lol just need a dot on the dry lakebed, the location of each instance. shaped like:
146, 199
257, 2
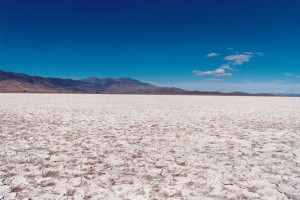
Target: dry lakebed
85, 146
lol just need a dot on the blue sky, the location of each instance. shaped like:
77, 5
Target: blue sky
251, 46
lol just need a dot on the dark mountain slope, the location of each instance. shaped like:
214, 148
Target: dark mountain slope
53, 84
18, 82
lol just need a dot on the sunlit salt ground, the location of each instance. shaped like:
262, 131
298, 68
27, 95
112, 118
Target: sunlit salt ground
56, 146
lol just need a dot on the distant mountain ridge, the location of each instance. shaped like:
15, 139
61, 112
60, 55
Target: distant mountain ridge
19, 82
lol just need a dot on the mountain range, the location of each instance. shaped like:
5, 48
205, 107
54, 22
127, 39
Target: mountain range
19, 82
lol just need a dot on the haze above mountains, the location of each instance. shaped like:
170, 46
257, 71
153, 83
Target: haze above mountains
18, 82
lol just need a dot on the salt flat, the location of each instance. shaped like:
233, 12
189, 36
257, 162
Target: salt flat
57, 146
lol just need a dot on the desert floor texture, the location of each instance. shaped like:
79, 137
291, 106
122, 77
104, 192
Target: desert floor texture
76, 146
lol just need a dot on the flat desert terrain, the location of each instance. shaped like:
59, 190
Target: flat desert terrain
76, 146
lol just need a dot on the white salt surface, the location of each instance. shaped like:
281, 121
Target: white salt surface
56, 146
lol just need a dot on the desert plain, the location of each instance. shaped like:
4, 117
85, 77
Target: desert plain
79, 146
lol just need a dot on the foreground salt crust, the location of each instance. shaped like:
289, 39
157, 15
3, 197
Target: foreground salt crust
148, 147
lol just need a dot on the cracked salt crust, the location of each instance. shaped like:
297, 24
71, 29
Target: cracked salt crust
56, 146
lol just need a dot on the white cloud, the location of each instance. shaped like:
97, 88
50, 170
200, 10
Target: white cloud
213, 54
259, 53
238, 59
292, 75
230, 49
218, 72
234, 60
227, 67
